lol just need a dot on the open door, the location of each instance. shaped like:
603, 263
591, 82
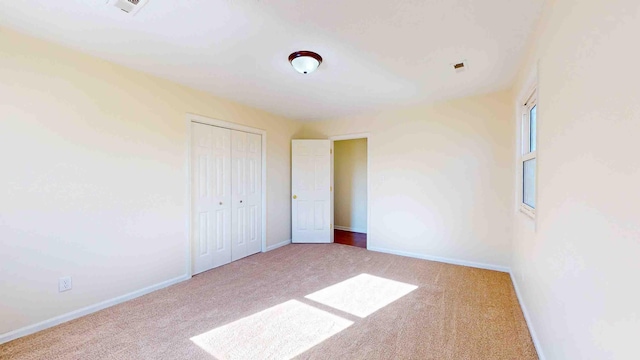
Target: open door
311, 191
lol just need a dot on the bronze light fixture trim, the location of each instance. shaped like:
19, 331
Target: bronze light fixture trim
305, 62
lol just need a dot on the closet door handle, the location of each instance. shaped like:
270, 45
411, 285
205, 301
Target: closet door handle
240, 201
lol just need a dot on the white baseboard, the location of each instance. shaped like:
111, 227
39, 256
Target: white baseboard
527, 318
278, 245
441, 259
30, 329
346, 228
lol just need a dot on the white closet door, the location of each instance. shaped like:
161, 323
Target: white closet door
254, 193
246, 180
239, 195
311, 191
211, 196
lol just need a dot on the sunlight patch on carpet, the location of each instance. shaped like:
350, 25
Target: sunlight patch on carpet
362, 295
280, 332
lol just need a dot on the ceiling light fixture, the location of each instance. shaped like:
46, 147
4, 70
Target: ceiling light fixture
305, 62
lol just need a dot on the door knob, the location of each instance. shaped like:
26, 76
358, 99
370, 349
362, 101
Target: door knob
240, 201
294, 197
220, 202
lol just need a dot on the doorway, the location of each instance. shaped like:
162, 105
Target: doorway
350, 195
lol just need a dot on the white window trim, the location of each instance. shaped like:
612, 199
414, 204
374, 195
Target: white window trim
524, 153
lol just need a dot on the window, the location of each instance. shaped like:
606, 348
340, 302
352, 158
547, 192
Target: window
528, 154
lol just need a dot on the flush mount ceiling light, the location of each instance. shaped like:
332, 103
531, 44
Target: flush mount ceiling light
305, 62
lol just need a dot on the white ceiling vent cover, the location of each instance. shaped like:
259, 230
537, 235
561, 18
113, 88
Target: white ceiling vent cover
129, 6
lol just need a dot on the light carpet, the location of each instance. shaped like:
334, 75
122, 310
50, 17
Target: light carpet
306, 302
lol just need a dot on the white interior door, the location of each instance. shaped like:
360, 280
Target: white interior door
246, 179
311, 192
211, 196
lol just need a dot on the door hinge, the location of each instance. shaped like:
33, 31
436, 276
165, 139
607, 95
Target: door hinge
330, 151
330, 188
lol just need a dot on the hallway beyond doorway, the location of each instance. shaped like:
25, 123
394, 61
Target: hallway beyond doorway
350, 238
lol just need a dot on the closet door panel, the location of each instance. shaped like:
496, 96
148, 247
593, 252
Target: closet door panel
239, 195
254, 193
211, 196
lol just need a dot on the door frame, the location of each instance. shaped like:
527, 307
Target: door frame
356, 136
191, 118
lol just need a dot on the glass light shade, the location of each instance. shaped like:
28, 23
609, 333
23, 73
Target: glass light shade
305, 64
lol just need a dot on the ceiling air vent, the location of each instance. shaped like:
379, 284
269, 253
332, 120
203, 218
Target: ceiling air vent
460, 66
128, 6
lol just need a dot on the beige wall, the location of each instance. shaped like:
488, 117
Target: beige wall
93, 178
577, 264
350, 184
441, 177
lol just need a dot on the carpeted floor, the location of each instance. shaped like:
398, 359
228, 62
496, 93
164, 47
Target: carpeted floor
309, 302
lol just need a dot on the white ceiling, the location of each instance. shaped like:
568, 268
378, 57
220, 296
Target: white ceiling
377, 53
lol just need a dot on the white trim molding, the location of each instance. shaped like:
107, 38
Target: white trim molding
233, 126
349, 137
278, 245
442, 259
527, 318
346, 228
28, 330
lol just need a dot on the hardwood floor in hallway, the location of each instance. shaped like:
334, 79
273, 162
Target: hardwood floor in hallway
350, 238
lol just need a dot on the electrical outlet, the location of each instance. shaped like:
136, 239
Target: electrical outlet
64, 284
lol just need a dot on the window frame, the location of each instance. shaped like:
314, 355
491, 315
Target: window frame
525, 153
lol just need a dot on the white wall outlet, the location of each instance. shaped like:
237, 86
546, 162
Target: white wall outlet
64, 284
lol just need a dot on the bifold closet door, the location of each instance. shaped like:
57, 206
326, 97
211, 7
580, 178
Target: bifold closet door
246, 188
211, 196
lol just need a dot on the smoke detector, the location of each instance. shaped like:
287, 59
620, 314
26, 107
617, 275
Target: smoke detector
131, 7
